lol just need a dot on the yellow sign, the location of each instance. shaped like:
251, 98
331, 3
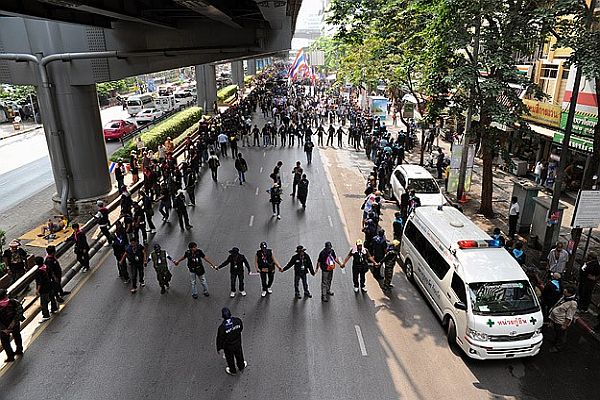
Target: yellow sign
543, 113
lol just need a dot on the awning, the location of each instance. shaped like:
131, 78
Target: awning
542, 130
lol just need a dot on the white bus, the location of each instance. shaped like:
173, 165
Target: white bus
477, 289
138, 102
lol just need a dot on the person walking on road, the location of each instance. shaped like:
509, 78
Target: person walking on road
513, 217
398, 226
223, 139
275, 199
237, 262
303, 190
229, 340
557, 259
326, 262
297, 172
159, 259
43, 286
392, 256
561, 317
360, 265
308, 149
81, 248
302, 266
101, 218
265, 263
11, 316
213, 164
15, 259
55, 271
181, 209
194, 257
439, 161
241, 167
189, 180
136, 255
119, 246
276, 174
589, 274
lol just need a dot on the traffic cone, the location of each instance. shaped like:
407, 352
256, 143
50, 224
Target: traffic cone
463, 199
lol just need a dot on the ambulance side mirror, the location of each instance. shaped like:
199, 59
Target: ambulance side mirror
459, 305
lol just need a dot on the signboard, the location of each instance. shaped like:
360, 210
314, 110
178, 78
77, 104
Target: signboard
575, 142
586, 112
587, 210
583, 123
408, 110
151, 87
543, 113
455, 159
379, 106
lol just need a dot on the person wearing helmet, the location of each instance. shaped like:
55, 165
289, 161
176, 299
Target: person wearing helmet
229, 340
236, 262
360, 264
326, 262
392, 256
159, 259
265, 263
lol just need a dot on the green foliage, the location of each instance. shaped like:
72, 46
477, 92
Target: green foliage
171, 127
226, 92
18, 93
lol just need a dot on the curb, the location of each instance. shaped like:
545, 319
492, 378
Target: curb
17, 133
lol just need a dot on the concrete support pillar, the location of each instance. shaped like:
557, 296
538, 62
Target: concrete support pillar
251, 66
206, 84
237, 73
81, 148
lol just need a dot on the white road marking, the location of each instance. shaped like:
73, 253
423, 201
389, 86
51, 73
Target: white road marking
322, 192
251, 220
264, 154
257, 190
261, 170
361, 341
330, 221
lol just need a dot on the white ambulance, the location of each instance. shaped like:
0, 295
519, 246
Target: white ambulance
476, 288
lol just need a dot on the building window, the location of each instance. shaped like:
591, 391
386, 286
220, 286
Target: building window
549, 71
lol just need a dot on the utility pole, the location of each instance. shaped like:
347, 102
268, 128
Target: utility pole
462, 175
558, 183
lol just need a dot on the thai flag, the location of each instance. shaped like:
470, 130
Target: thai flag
299, 66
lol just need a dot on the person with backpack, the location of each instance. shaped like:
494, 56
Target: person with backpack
229, 340
159, 259
236, 262
213, 165
326, 262
11, 316
275, 199
241, 167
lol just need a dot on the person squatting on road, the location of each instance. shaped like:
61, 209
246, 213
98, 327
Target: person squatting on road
360, 265
326, 262
159, 259
194, 257
265, 263
229, 340
302, 265
236, 262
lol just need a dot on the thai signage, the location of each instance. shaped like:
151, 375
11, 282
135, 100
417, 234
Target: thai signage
543, 113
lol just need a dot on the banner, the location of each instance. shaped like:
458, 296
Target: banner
543, 113
455, 159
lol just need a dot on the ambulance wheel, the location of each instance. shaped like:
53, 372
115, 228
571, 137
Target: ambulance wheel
408, 270
451, 332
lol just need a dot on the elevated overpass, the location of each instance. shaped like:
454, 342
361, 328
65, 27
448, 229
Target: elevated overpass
65, 47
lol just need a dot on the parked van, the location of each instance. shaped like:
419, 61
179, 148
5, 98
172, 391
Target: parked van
476, 288
183, 98
165, 103
137, 103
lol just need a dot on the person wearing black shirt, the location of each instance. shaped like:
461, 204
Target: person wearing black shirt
15, 258
360, 265
135, 253
55, 272
588, 277
81, 248
181, 209
303, 190
236, 262
119, 244
308, 149
190, 185
326, 262
43, 284
302, 265
241, 167
101, 218
194, 257
11, 316
297, 175
229, 339
265, 263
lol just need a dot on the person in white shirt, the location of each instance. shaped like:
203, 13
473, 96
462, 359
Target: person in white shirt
538, 172
513, 217
557, 259
222, 139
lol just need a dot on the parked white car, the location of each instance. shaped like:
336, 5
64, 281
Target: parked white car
148, 115
407, 177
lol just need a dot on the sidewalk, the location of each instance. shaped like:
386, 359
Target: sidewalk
7, 130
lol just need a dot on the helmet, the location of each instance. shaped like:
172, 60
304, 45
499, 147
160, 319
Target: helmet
395, 243
359, 242
263, 245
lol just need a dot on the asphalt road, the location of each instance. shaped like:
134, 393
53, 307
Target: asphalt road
107, 343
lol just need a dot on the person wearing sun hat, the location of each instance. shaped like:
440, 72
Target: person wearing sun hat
360, 264
302, 265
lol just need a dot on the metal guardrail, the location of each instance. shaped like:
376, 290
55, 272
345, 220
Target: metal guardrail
71, 270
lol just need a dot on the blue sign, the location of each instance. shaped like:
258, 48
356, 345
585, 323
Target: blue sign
151, 87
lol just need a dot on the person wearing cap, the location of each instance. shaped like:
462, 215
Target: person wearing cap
136, 254
194, 258
229, 340
11, 316
392, 256
181, 209
81, 247
265, 263
44, 288
101, 218
326, 262
302, 265
15, 258
275, 199
360, 264
236, 262
159, 259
